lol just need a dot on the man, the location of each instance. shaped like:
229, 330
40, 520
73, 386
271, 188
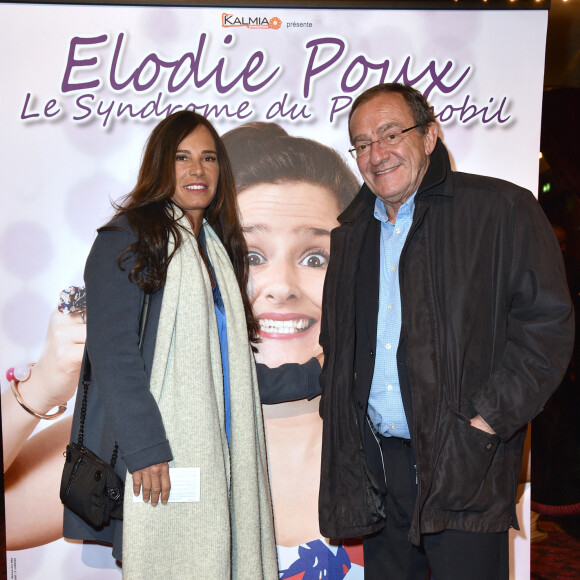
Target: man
446, 326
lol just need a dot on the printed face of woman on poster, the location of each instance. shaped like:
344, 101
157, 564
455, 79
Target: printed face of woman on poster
287, 228
290, 192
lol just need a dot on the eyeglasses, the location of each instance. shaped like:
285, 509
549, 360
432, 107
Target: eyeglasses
387, 140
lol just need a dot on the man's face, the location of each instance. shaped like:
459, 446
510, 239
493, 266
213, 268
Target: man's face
392, 172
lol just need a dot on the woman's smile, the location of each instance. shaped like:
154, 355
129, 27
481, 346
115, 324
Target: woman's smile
275, 325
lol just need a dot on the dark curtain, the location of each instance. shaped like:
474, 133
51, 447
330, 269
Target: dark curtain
560, 143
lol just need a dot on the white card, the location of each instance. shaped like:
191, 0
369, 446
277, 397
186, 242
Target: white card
185, 485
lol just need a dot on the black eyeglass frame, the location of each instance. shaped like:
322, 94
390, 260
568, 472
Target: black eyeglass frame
380, 141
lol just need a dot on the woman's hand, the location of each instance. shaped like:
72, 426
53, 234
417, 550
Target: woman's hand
155, 482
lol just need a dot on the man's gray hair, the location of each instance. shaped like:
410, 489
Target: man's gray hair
422, 112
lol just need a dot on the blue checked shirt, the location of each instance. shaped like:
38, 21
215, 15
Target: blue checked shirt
385, 403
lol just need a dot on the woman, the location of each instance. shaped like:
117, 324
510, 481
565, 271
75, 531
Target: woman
188, 399
290, 192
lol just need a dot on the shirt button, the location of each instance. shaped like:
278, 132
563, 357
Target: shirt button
398, 230
388, 346
390, 306
393, 268
393, 427
389, 387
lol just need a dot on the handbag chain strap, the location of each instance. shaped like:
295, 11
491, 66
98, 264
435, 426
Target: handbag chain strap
87, 378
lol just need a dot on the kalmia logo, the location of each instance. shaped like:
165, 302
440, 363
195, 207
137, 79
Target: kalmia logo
231, 20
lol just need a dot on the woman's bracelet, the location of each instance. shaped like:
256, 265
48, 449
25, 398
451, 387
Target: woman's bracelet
17, 376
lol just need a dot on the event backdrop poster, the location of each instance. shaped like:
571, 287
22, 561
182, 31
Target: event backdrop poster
83, 86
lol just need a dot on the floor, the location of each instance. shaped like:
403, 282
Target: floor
557, 557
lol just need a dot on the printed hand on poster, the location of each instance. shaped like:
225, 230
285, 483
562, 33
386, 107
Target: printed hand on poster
291, 191
33, 464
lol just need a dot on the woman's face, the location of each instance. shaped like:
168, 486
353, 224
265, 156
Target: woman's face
197, 172
287, 230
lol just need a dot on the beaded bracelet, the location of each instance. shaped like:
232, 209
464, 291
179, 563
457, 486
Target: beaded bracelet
20, 375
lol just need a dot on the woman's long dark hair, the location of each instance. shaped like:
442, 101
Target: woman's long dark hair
149, 210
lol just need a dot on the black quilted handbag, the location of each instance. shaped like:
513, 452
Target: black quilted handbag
89, 486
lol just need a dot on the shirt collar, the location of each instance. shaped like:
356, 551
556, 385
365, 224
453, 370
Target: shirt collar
405, 210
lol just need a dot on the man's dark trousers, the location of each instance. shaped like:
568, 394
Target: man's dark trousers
450, 555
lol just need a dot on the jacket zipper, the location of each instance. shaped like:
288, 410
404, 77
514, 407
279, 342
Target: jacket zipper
373, 431
414, 227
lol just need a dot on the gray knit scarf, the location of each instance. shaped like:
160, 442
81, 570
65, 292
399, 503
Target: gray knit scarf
229, 534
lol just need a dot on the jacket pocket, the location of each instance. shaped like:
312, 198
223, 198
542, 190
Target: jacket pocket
462, 466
